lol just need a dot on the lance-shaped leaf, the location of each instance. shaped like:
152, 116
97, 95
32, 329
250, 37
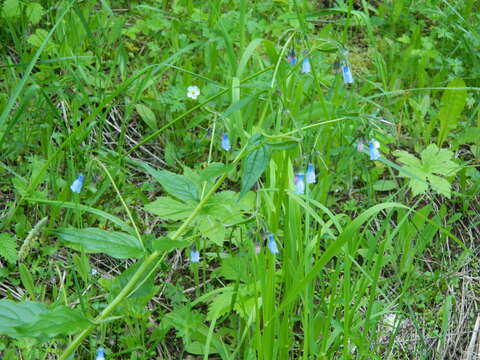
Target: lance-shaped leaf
92, 240
254, 164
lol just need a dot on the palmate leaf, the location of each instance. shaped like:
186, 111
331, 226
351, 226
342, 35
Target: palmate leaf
36, 320
431, 170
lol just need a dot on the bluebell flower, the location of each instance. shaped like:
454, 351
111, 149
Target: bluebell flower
226, 142
292, 60
300, 183
311, 178
373, 150
272, 245
258, 248
347, 74
76, 186
194, 254
100, 354
360, 145
306, 68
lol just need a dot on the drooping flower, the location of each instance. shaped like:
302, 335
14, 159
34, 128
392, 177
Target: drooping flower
292, 60
311, 177
347, 74
226, 142
93, 271
194, 254
258, 248
272, 245
193, 92
76, 186
360, 145
336, 66
373, 146
300, 183
100, 354
306, 68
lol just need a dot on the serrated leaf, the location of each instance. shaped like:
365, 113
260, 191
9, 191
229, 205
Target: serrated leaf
92, 240
212, 229
33, 319
8, 248
176, 185
34, 12
147, 115
37, 39
451, 107
434, 164
253, 166
220, 304
11, 8
169, 209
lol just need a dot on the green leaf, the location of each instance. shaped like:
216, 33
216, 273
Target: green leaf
254, 165
8, 248
58, 321
169, 209
176, 185
11, 8
214, 170
384, 185
33, 319
37, 39
434, 164
166, 244
147, 115
13, 315
92, 240
27, 280
451, 107
34, 12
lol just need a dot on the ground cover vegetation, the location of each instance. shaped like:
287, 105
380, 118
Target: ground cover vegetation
258, 179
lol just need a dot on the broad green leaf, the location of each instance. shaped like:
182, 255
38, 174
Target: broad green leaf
212, 229
34, 12
92, 240
169, 209
32, 319
15, 314
11, 8
254, 165
147, 115
451, 107
8, 248
166, 244
214, 170
176, 185
58, 321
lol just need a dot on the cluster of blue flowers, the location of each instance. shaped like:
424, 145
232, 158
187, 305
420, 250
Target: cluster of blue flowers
300, 179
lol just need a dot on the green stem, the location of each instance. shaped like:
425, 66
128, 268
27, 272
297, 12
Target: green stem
139, 273
118, 299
